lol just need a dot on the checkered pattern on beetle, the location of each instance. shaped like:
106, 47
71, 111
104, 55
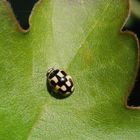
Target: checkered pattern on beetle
60, 82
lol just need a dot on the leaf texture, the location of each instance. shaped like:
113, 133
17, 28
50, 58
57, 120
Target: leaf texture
83, 37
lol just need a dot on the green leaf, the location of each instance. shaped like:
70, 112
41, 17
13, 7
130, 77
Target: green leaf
134, 17
135, 6
83, 37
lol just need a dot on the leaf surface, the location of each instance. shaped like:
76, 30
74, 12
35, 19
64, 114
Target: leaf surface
83, 37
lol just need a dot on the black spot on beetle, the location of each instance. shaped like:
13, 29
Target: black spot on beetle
52, 74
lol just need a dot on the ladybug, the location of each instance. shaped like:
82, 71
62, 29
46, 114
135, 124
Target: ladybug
59, 83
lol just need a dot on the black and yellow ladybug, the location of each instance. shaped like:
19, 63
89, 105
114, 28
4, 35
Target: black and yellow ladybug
60, 84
